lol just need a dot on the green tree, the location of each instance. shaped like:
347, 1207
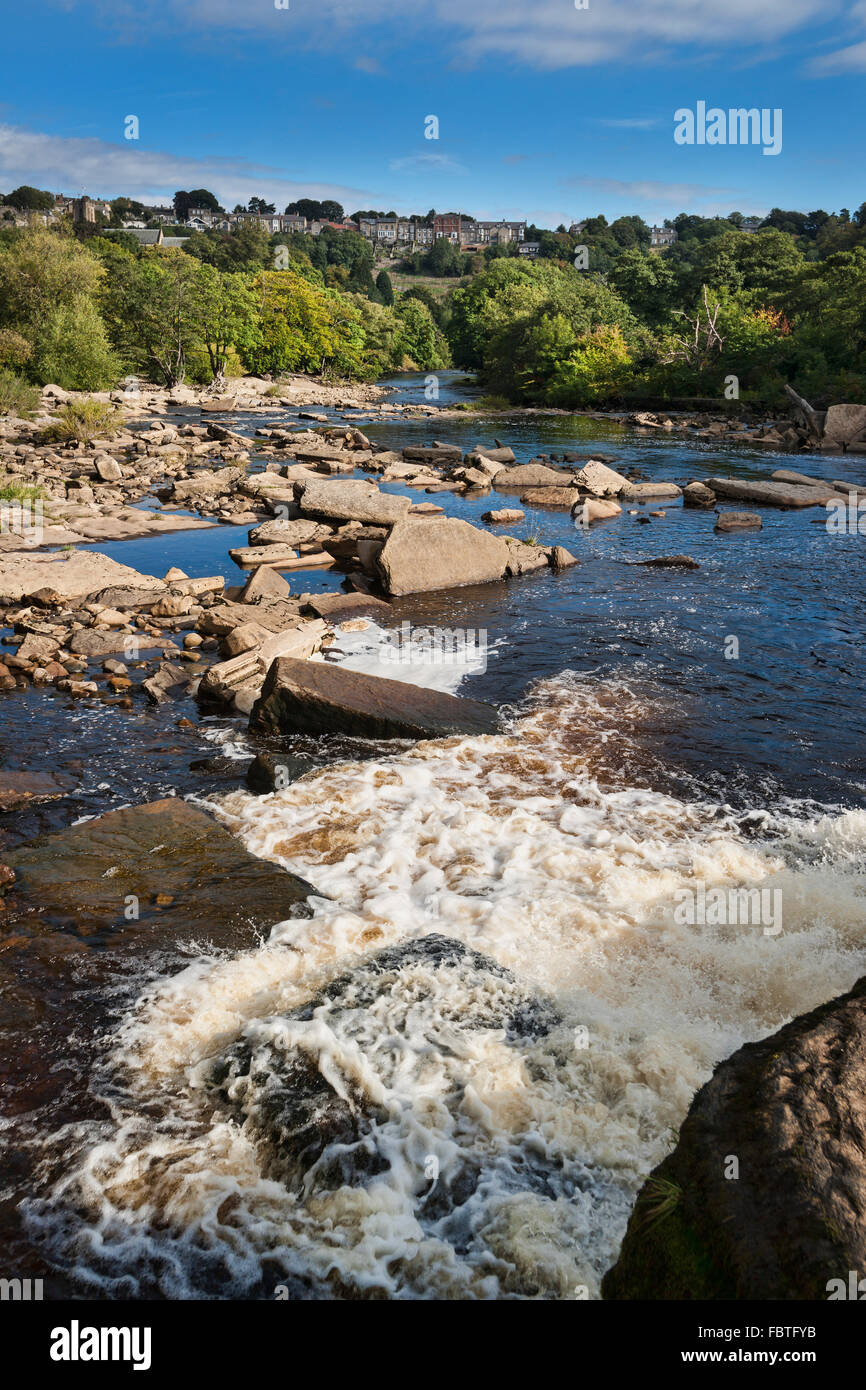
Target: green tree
30, 199
385, 288
153, 309
49, 284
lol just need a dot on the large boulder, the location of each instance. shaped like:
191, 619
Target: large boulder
698, 495
586, 510
764, 1196
352, 500
600, 481
439, 554
23, 573
317, 697
845, 424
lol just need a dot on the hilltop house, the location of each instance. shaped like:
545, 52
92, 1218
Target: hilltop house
663, 236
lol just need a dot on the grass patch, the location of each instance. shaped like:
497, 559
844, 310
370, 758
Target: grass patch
20, 492
659, 1200
17, 396
80, 422
485, 403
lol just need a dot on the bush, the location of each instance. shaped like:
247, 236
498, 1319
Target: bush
17, 396
83, 421
73, 349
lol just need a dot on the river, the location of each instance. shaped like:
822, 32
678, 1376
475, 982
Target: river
645, 755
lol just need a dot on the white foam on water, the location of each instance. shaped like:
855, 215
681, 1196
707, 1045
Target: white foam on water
511, 845
432, 657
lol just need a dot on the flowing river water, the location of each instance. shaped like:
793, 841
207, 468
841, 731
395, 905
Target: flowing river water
503, 1107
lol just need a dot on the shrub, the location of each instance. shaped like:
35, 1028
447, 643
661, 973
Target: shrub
15, 351
17, 396
83, 421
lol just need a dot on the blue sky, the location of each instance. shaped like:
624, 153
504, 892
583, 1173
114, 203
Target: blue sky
545, 111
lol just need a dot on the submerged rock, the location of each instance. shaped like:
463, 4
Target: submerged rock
764, 1196
328, 1089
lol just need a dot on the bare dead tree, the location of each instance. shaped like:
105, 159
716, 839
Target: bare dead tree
703, 340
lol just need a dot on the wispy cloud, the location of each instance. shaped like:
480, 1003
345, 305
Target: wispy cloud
843, 61
369, 65
636, 123
426, 163
652, 191
106, 170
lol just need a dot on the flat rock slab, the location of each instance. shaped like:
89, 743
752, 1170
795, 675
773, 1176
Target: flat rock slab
84, 572
530, 475
352, 500
190, 876
774, 494
315, 697
636, 492
444, 553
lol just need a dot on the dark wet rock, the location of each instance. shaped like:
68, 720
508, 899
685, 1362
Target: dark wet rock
791, 1110
668, 562
169, 679
20, 789
314, 697
312, 1133
269, 772
79, 880
698, 495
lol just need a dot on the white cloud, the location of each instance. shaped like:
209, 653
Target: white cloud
105, 170
545, 33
